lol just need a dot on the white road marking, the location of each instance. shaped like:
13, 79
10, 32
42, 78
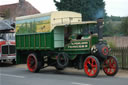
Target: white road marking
12, 75
75, 83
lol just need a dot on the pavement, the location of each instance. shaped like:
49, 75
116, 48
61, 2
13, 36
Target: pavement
121, 73
19, 75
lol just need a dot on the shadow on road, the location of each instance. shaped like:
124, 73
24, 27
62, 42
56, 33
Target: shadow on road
6, 64
76, 73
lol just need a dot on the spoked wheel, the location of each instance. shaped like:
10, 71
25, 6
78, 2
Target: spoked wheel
110, 66
91, 66
33, 64
62, 60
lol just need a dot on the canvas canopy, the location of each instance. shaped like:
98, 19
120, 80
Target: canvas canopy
47, 22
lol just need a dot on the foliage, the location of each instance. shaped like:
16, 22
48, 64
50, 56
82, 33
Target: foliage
111, 44
124, 26
112, 28
115, 18
90, 9
108, 29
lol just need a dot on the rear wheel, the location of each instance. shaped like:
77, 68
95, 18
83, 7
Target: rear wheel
62, 60
33, 64
110, 66
91, 66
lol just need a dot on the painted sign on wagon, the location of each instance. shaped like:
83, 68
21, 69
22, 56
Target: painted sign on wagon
77, 44
33, 25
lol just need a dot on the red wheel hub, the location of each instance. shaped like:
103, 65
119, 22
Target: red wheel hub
109, 66
90, 66
105, 50
31, 63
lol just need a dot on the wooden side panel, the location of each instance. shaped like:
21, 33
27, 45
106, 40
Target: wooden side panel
40, 41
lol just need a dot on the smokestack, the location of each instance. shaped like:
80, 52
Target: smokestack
100, 26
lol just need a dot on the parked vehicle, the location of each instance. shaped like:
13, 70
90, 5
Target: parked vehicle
61, 39
7, 42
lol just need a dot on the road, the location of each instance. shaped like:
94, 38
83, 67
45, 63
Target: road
18, 75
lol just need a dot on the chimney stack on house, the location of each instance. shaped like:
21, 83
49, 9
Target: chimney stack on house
21, 1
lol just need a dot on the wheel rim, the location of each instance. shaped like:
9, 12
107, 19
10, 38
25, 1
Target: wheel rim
105, 50
31, 63
109, 66
90, 66
62, 60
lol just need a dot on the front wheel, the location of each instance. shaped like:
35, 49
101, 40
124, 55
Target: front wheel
110, 66
91, 66
33, 63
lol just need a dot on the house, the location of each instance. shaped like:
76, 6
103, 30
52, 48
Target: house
11, 11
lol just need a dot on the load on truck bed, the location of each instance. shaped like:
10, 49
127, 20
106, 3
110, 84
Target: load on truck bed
36, 31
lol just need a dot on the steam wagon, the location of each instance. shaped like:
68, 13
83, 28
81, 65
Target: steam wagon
61, 39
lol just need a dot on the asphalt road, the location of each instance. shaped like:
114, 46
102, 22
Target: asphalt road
12, 75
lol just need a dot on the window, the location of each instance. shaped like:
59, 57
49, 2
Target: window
7, 36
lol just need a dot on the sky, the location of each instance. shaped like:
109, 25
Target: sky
113, 7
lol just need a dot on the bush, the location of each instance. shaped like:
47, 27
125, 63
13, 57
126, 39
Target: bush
124, 26
111, 44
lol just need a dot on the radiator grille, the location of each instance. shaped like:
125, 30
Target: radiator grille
8, 49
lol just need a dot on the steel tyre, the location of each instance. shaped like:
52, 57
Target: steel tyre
33, 64
91, 66
110, 66
62, 60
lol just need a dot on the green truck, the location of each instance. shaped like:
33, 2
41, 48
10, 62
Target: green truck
61, 39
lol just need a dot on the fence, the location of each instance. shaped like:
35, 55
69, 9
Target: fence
122, 56
121, 41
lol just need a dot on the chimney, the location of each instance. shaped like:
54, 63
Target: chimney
21, 2
100, 26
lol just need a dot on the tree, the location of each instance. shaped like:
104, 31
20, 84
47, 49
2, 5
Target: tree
124, 26
90, 9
